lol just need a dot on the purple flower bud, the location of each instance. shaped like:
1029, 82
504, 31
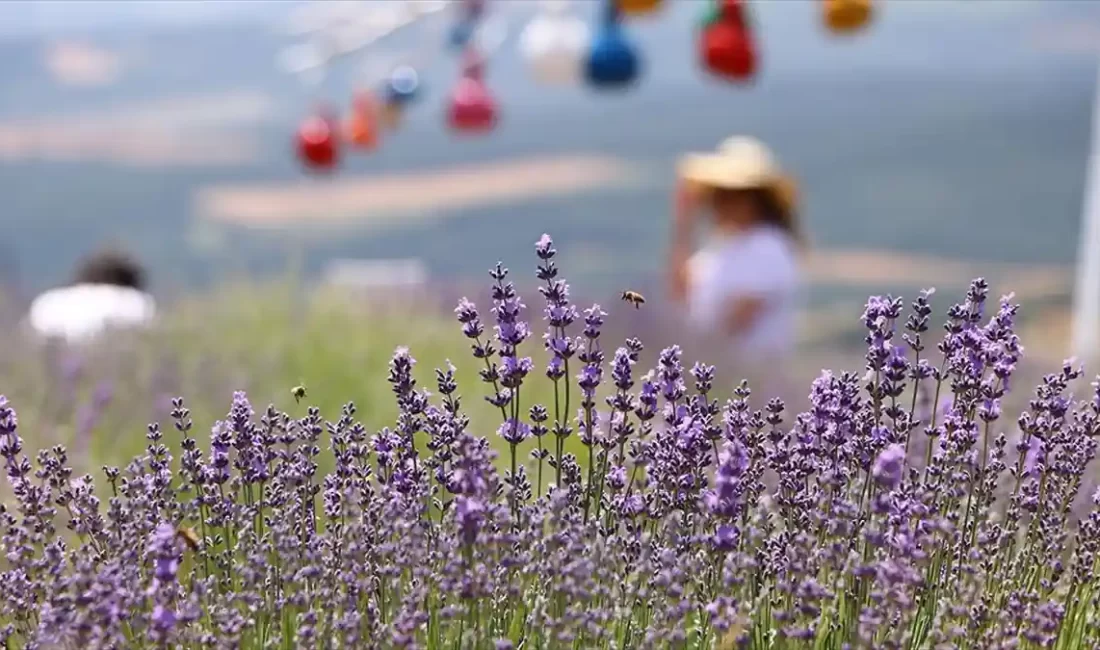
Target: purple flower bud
593, 321
466, 311
555, 368
589, 379
703, 376
544, 247
889, 466
621, 369
72, 367
104, 392
164, 549
513, 370
469, 514
616, 477
514, 431
725, 538
1035, 459
220, 442
633, 505
560, 315
556, 292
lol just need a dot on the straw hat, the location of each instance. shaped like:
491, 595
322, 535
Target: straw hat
742, 163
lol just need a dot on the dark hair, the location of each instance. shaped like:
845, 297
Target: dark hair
111, 267
768, 208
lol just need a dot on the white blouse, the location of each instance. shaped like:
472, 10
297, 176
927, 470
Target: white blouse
760, 263
80, 312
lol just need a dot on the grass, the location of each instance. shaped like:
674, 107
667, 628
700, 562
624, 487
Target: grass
264, 339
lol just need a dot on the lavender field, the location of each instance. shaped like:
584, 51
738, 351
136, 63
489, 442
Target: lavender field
556, 487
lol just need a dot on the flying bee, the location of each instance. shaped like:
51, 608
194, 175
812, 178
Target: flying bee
634, 298
299, 393
189, 537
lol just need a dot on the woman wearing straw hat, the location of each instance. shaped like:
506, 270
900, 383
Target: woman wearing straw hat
740, 289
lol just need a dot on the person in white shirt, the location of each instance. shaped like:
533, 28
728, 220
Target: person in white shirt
740, 290
108, 292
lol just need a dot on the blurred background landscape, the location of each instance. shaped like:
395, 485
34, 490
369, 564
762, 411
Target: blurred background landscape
953, 129
948, 140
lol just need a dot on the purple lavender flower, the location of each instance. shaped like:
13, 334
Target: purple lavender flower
11, 445
725, 539
469, 513
889, 466
589, 380
513, 370
621, 369
593, 322
724, 499
511, 331
472, 328
164, 619
514, 431
162, 549
544, 248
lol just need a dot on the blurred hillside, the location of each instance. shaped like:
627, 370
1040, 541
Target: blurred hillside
952, 129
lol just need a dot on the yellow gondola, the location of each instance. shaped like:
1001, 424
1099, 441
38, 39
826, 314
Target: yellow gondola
847, 16
639, 7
